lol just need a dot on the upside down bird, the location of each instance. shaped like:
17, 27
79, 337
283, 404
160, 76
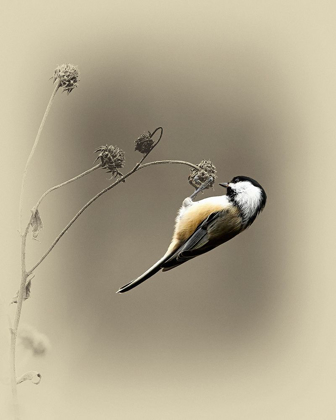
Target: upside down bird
205, 224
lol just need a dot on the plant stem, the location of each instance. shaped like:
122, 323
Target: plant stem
93, 199
65, 183
180, 162
58, 83
24, 274
14, 329
24, 278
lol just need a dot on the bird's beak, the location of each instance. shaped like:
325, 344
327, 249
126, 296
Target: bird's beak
224, 184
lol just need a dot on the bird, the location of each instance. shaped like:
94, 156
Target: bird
201, 226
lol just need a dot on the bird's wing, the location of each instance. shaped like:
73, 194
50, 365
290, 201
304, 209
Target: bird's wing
216, 229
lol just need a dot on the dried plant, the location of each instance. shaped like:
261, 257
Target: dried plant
111, 158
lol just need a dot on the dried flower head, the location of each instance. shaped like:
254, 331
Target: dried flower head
33, 340
206, 170
112, 158
68, 75
144, 143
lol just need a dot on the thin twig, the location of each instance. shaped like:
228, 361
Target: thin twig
121, 179
58, 84
180, 162
65, 183
24, 275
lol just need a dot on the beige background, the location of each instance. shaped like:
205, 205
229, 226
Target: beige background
245, 332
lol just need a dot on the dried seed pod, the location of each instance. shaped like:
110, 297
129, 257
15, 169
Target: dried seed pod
144, 143
206, 170
68, 75
112, 158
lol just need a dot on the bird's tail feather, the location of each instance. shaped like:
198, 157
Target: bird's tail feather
145, 276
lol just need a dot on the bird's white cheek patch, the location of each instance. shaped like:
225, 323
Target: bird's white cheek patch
248, 200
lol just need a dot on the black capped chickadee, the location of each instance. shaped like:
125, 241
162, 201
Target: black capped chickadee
205, 224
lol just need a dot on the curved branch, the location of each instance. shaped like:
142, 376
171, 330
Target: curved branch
93, 199
65, 183
180, 162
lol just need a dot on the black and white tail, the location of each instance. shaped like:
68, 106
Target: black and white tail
145, 276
